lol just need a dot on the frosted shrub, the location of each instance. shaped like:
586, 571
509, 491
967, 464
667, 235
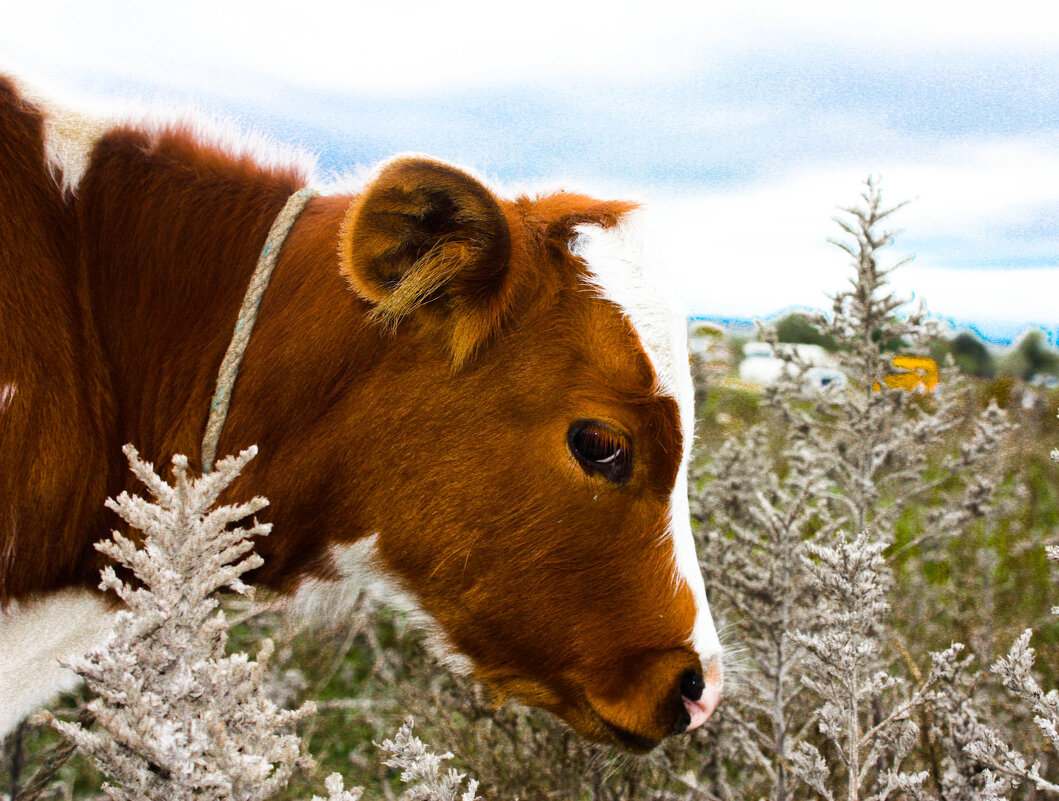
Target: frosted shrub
794, 538
421, 769
176, 718
336, 790
991, 749
757, 528
1005, 765
846, 671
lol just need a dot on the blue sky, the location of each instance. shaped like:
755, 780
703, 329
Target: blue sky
742, 128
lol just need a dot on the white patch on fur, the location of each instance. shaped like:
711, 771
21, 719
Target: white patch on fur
34, 636
618, 265
360, 570
73, 127
69, 137
7, 394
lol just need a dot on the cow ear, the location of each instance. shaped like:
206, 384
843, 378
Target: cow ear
564, 211
606, 214
425, 233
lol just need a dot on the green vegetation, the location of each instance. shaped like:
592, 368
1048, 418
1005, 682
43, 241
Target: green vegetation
797, 328
971, 356
1031, 356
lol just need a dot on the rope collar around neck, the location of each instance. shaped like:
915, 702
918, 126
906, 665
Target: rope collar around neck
222, 397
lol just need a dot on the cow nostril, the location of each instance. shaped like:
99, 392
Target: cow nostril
692, 685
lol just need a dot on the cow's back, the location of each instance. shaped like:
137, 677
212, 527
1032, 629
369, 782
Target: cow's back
53, 412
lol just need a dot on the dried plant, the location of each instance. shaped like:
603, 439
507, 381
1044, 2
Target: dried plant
175, 716
1005, 765
795, 538
421, 769
336, 790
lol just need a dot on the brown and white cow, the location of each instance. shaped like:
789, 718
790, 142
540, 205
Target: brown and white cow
478, 398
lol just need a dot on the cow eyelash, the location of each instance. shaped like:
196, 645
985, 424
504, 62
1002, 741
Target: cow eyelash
600, 449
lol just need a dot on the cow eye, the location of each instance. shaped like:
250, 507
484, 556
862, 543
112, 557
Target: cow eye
601, 449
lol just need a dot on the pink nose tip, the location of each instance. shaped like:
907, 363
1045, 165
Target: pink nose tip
701, 710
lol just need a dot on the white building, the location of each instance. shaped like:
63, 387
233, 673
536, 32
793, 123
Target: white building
759, 366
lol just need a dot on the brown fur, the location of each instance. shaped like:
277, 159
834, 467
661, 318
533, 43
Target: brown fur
429, 405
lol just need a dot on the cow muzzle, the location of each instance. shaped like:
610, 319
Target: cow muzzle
661, 695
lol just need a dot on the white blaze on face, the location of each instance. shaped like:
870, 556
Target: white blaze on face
617, 264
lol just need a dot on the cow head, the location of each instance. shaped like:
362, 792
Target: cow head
536, 425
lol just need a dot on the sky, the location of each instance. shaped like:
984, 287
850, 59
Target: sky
740, 126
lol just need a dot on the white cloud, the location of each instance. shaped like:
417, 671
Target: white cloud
382, 47
754, 251
1013, 296
902, 25
424, 44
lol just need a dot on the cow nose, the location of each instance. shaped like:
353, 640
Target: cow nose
700, 700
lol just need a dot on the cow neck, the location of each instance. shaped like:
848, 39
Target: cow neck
244, 325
